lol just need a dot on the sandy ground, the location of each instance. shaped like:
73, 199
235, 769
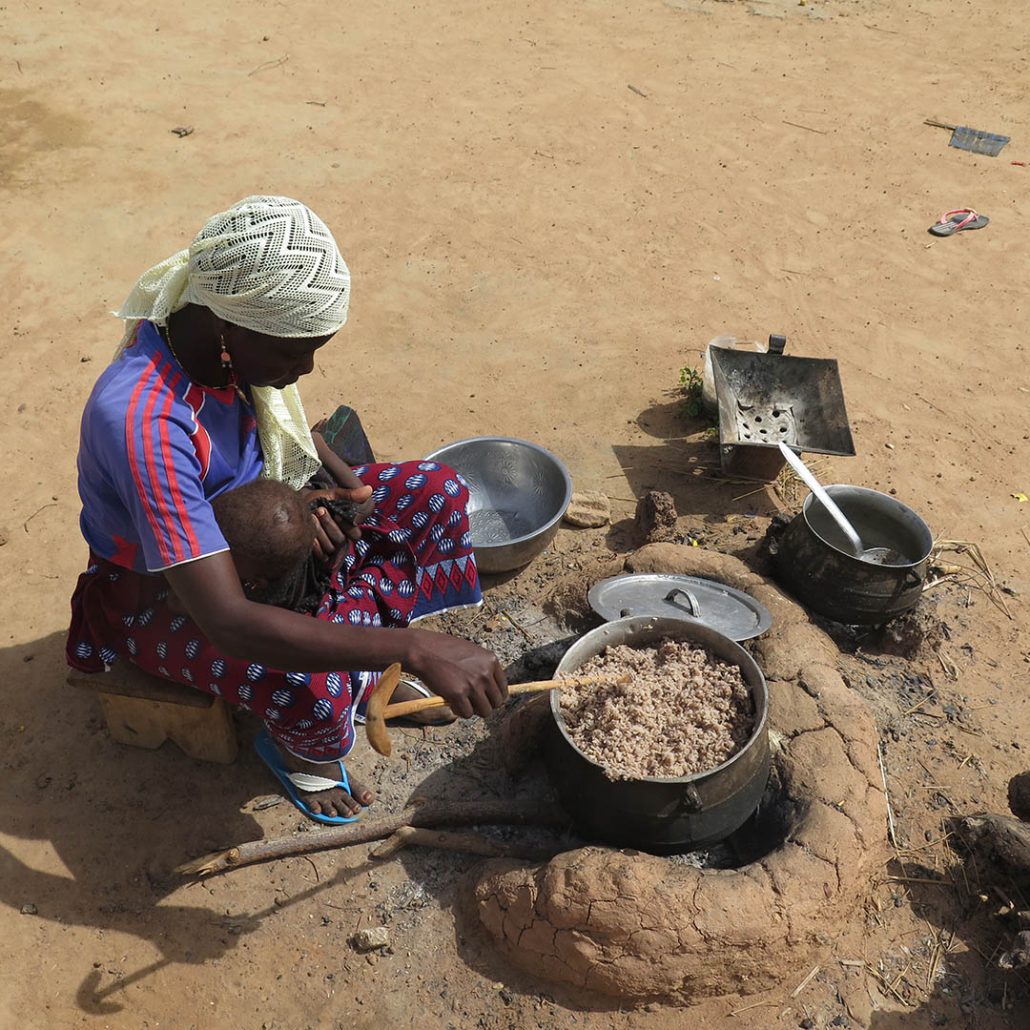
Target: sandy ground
548, 209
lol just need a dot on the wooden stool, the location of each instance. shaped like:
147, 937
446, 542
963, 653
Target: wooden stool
145, 711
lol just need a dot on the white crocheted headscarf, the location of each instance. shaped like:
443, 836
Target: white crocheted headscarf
271, 265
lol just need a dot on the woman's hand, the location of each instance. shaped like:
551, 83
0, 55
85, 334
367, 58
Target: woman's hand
351, 489
467, 676
334, 528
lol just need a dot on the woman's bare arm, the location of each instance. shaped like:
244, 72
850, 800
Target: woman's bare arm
469, 677
327, 542
337, 467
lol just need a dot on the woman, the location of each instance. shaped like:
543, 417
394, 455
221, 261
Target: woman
201, 398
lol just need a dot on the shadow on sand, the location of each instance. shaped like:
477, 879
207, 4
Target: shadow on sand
90, 830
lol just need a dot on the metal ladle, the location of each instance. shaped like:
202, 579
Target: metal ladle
873, 555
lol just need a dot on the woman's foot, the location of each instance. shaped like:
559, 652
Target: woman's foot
335, 803
436, 716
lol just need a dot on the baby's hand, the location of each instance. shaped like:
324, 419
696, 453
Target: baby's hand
337, 513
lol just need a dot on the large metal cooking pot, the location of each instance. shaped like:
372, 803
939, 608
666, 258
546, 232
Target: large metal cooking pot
663, 815
814, 561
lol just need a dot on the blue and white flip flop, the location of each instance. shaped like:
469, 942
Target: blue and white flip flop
295, 783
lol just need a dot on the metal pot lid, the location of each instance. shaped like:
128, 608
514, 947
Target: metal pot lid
728, 611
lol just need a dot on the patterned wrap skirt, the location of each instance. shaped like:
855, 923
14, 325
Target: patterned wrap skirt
414, 559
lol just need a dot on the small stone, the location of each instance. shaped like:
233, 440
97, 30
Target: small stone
259, 804
1018, 955
29, 909
807, 1023
1019, 796
371, 938
589, 509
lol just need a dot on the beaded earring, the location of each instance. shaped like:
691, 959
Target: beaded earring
230, 375
225, 358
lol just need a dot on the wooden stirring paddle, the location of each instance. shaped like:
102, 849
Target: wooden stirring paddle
379, 707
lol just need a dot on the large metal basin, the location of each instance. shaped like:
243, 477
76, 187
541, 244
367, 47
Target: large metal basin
663, 815
518, 494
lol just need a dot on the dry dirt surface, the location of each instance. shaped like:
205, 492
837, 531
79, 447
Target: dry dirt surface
548, 210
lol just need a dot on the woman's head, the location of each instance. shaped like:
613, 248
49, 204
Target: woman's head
262, 360
268, 265
268, 528
269, 287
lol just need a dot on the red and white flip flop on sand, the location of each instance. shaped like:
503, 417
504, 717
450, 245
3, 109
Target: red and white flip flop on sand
955, 221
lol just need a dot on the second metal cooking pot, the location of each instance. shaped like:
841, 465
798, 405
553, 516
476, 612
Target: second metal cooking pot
663, 815
814, 561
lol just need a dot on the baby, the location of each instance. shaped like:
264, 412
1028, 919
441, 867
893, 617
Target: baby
270, 533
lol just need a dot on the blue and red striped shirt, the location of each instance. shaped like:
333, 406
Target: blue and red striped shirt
154, 449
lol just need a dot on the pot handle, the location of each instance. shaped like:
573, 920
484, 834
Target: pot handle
912, 579
692, 607
691, 801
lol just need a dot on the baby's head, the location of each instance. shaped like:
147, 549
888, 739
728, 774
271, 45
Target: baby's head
268, 528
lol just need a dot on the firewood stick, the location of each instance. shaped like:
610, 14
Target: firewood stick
394, 843
468, 843
431, 813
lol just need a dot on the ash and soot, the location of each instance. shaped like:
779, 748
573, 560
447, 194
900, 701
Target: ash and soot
682, 711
